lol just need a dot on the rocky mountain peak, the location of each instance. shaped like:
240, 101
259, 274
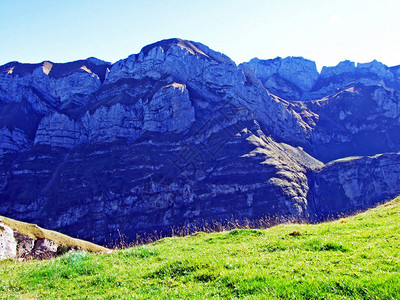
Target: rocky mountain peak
57, 70
168, 43
346, 66
16, 68
296, 78
300, 71
296, 75
362, 69
95, 61
183, 61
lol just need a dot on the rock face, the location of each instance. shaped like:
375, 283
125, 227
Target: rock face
179, 133
296, 78
288, 78
8, 244
347, 184
20, 246
23, 241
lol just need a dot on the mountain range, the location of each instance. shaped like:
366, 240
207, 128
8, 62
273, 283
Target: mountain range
178, 133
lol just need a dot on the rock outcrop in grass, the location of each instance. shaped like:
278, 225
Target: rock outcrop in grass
20, 240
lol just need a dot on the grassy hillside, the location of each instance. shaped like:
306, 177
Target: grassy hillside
36, 232
353, 258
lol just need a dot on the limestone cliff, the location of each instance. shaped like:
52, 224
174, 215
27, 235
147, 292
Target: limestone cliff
353, 183
179, 133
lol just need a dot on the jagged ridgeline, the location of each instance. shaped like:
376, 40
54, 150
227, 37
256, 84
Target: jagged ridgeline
179, 133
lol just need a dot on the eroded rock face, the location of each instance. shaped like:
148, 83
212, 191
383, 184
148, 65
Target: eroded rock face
295, 78
13, 140
8, 244
288, 78
19, 246
24, 246
354, 183
359, 120
56, 82
179, 133
32, 93
170, 110
44, 248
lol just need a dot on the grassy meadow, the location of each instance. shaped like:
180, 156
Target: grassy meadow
352, 258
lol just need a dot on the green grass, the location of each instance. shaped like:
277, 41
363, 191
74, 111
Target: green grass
353, 258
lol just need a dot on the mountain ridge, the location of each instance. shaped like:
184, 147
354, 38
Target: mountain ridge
179, 132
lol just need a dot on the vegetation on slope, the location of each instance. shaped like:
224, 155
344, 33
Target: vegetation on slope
357, 257
36, 232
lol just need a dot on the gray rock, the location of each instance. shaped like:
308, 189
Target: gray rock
345, 66
8, 244
295, 78
170, 110
288, 78
58, 130
353, 183
14, 140
25, 245
44, 248
375, 67
18, 246
301, 72
54, 82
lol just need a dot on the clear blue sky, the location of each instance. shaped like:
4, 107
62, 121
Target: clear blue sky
324, 31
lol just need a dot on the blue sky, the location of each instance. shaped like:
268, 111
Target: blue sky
324, 31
